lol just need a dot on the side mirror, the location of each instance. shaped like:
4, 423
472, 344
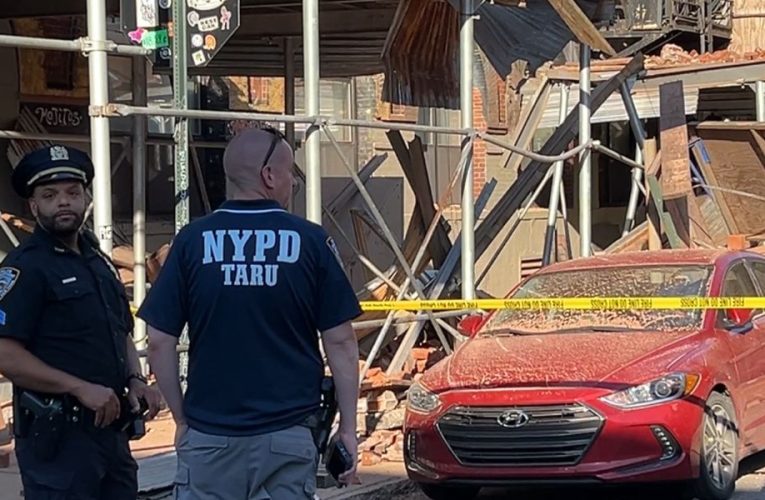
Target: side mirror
468, 326
738, 320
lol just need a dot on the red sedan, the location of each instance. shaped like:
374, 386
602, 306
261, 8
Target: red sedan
600, 396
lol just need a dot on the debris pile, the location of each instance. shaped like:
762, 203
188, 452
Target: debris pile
673, 55
382, 405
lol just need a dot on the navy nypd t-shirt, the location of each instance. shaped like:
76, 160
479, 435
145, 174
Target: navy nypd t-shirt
256, 285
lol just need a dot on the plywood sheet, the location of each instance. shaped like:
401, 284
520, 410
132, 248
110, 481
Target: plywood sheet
736, 162
675, 163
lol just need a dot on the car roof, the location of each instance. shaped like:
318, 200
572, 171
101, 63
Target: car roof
652, 257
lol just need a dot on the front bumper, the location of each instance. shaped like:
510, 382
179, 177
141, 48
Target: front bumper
586, 441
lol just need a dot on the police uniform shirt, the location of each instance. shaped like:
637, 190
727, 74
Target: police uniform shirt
68, 309
255, 284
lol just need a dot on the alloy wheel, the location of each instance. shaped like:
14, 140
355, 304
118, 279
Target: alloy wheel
720, 446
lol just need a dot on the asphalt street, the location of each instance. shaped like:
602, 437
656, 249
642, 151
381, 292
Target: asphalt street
751, 487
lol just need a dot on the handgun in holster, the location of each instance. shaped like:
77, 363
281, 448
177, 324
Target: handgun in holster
41, 419
326, 415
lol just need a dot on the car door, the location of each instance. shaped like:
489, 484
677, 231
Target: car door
747, 352
757, 268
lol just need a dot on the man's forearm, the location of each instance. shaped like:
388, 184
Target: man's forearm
164, 363
26, 370
343, 357
133, 360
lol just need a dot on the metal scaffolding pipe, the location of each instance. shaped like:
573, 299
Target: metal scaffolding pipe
637, 173
126, 110
466, 115
139, 198
585, 172
617, 156
311, 91
180, 100
78, 45
552, 210
98, 76
760, 94
536, 156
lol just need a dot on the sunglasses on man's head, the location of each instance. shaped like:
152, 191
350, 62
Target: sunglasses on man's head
277, 137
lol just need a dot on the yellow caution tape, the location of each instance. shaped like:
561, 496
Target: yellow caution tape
579, 303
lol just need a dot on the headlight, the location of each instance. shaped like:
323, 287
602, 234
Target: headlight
668, 388
422, 400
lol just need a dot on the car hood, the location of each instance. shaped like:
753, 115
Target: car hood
571, 359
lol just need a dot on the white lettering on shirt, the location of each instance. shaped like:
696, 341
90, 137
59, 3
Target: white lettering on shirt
267, 249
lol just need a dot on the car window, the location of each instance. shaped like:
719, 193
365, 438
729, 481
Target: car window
738, 283
661, 280
759, 272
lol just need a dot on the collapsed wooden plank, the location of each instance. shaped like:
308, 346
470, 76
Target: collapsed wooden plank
634, 241
535, 171
581, 26
412, 160
675, 162
735, 170
350, 190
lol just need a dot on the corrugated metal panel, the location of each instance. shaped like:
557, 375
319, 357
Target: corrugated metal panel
646, 99
422, 66
645, 93
534, 33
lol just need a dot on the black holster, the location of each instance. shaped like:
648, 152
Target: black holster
41, 420
321, 422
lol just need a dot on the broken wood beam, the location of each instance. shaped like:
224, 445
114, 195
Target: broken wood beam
412, 160
581, 26
511, 201
349, 191
675, 161
652, 162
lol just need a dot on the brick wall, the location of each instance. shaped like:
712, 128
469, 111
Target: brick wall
479, 149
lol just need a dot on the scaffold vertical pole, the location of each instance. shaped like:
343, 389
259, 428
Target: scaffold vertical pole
311, 87
466, 107
98, 76
181, 101
760, 94
552, 211
139, 197
585, 163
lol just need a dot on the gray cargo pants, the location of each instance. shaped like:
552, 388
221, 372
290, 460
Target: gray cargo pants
276, 466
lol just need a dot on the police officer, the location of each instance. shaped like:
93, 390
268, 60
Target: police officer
255, 285
65, 343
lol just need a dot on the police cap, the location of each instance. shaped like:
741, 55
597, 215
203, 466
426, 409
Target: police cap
51, 164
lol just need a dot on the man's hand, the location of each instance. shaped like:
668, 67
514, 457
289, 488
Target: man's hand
352, 445
101, 400
137, 390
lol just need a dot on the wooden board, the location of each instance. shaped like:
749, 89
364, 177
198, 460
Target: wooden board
653, 161
635, 241
736, 164
701, 155
675, 162
581, 26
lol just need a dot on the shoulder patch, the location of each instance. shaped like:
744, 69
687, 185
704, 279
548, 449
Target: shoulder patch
333, 248
8, 278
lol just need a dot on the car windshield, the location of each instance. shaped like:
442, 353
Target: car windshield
643, 281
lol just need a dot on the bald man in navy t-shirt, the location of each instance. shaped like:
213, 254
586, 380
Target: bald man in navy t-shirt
256, 286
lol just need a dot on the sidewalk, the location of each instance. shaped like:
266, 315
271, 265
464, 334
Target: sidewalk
156, 462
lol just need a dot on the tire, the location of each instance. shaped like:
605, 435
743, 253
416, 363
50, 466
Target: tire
717, 476
439, 492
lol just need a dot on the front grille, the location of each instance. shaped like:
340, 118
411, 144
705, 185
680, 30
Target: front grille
552, 436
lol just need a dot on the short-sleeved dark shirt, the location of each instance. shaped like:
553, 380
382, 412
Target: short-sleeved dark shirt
68, 309
255, 285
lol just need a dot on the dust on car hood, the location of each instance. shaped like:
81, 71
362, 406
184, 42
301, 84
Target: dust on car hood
556, 359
